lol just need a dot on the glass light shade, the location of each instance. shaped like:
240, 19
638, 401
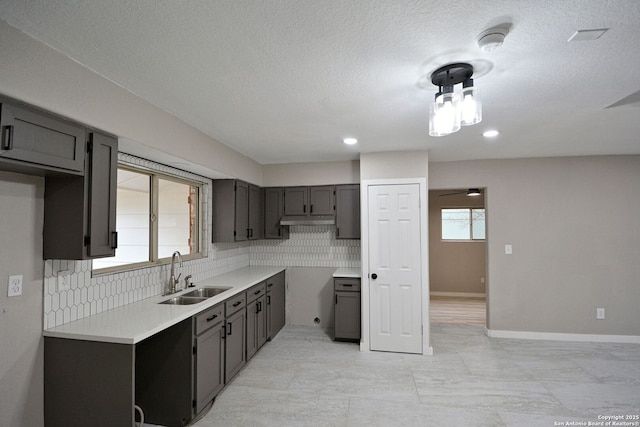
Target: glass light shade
444, 118
470, 107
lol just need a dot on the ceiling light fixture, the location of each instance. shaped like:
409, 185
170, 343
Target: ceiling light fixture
472, 192
450, 110
492, 133
350, 141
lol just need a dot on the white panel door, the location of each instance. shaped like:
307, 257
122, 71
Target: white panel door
395, 298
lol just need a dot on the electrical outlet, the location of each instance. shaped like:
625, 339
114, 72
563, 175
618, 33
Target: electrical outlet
508, 249
599, 313
64, 281
15, 285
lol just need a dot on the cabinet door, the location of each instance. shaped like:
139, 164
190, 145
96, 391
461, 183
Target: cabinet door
261, 322
34, 137
102, 172
348, 211
252, 333
273, 211
242, 211
209, 374
275, 304
255, 213
347, 315
295, 200
321, 200
235, 355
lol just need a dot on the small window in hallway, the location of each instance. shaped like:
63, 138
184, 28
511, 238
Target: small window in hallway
463, 224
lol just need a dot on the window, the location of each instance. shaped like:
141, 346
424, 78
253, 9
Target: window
156, 215
463, 224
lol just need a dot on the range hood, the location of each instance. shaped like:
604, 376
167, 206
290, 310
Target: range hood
308, 220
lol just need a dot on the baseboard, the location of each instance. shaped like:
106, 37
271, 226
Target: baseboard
553, 336
457, 294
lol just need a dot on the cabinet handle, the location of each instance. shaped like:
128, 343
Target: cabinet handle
337, 231
269, 285
114, 240
237, 303
229, 329
224, 331
336, 299
268, 299
209, 319
257, 292
257, 307
311, 210
347, 285
251, 232
7, 137
304, 208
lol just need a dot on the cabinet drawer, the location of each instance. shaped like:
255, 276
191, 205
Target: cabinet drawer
234, 304
256, 292
345, 284
209, 318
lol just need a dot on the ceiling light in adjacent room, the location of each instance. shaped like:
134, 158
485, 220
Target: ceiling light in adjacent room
472, 192
491, 133
350, 141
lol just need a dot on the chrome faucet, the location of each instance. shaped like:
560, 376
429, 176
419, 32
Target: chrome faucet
173, 280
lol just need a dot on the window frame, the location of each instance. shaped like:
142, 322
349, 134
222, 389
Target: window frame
470, 239
154, 261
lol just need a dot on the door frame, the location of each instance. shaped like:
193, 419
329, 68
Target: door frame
365, 344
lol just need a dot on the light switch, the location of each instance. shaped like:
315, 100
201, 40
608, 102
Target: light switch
508, 250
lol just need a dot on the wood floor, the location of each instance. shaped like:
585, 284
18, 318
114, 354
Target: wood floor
458, 310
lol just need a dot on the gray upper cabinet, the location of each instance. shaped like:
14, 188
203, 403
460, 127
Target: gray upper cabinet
317, 200
273, 212
39, 143
80, 211
237, 211
255, 213
348, 211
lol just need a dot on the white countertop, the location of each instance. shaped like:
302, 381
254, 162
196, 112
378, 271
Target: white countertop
134, 322
347, 272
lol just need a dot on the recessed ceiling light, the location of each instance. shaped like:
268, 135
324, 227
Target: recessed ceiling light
491, 133
350, 141
585, 35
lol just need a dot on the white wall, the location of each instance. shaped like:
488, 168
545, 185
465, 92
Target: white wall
318, 173
21, 344
573, 225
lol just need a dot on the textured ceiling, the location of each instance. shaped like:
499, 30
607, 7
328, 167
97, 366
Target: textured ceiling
285, 80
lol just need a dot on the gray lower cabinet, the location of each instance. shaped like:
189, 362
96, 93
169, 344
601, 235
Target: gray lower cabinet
235, 341
37, 142
256, 318
347, 309
208, 356
80, 211
171, 375
348, 211
275, 304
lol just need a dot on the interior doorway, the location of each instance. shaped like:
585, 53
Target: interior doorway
458, 256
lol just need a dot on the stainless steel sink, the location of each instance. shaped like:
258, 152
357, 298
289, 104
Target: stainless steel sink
183, 300
205, 292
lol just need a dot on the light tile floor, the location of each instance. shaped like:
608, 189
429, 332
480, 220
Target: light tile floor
302, 378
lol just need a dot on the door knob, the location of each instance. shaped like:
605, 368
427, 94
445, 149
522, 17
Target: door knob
374, 276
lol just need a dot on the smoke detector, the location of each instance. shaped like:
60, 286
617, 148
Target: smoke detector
492, 38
